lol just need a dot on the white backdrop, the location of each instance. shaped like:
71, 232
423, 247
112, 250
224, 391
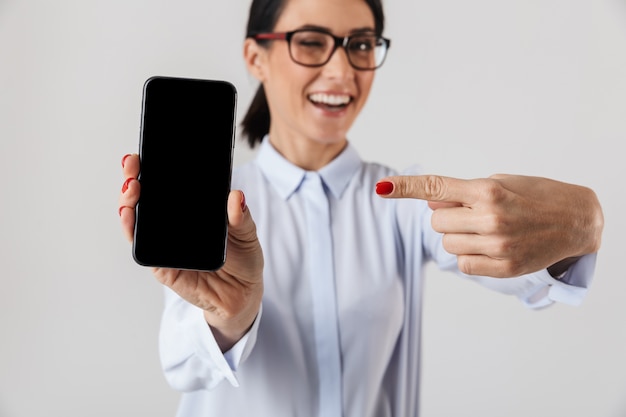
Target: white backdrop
470, 88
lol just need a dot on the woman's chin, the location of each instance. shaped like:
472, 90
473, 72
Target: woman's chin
331, 137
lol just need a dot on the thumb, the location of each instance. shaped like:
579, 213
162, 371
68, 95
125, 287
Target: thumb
242, 235
244, 256
240, 224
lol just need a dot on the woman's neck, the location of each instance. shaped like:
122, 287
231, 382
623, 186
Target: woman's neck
308, 154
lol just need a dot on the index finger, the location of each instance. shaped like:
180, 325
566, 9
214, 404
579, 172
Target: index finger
428, 187
130, 165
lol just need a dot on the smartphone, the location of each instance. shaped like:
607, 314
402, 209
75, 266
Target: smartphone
186, 150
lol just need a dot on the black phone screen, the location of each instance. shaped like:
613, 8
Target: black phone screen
186, 146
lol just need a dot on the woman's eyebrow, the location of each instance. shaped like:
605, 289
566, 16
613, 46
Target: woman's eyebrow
365, 29
314, 27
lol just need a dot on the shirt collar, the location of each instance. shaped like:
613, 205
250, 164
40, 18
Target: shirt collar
286, 178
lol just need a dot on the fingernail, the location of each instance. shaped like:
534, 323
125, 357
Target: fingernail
384, 188
124, 159
125, 185
243, 202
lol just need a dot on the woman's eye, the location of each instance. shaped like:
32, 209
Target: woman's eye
310, 40
362, 45
311, 43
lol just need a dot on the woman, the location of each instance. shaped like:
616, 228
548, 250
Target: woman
324, 320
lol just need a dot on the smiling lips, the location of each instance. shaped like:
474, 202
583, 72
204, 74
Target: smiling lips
330, 101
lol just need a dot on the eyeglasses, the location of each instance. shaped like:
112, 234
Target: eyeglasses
314, 48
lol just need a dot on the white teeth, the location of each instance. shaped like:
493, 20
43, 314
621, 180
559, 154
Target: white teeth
332, 100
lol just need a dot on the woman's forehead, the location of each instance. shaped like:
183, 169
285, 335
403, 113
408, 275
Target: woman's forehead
336, 15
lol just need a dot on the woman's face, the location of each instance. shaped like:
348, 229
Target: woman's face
303, 101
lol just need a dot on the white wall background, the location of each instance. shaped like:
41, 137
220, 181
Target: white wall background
470, 88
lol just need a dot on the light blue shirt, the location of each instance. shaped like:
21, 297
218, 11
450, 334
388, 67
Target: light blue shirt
377, 252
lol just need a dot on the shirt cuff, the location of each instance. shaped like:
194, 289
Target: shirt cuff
540, 289
240, 351
208, 350
570, 289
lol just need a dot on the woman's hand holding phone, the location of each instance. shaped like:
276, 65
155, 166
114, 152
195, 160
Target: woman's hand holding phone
230, 296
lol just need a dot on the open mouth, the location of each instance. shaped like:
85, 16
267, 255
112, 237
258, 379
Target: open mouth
330, 102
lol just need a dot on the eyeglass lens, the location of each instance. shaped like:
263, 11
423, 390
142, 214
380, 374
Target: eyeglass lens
315, 48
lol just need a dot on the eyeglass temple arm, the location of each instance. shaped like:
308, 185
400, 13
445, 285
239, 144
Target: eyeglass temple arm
270, 36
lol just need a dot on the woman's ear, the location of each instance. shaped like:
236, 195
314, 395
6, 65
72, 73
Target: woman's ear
254, 56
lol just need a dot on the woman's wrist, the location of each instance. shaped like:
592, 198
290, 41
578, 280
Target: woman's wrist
228, 332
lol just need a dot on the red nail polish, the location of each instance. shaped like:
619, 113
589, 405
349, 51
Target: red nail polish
125, 185
384, 188
124, 159
243, 202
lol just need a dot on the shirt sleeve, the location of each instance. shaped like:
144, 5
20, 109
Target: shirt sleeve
190, 356
540, 289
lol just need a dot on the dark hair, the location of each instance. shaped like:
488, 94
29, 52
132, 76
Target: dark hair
262, 18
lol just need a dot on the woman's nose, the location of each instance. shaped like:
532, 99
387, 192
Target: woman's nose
339, 65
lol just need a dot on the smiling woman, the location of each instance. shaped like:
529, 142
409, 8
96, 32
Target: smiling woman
317, 309
468, 88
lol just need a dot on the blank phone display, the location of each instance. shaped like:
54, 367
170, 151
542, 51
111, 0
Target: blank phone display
186, 146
